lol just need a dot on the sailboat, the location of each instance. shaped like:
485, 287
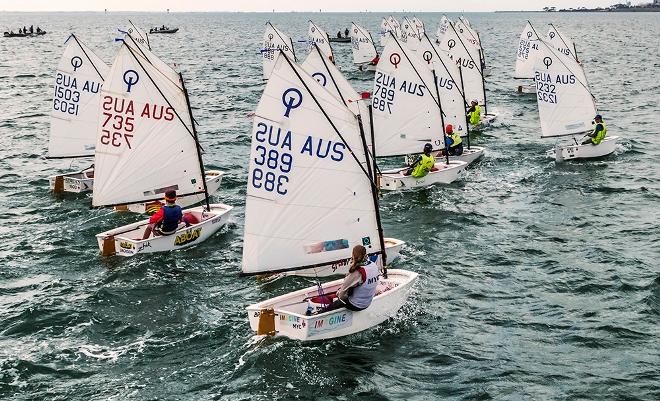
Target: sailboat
419, 25
74, 113
275, 40
442, 29
411, 33
329, 77
310, 199
147, 144
528, 47
449, 81
406, 115
318, 36
468, 56
566, 105
365, 55
471, 35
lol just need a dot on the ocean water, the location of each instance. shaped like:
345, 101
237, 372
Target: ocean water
538, 280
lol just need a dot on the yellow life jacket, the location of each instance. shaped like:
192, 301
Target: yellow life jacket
424, 166
475, 116
456, 139
600, 135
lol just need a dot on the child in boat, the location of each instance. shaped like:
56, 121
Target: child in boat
453, 142
599, 132
359, 286
424, 163
166, 220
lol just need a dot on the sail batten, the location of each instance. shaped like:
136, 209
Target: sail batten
76, 96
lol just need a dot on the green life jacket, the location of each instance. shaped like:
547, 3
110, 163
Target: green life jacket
424, 166
456, 139
600, 135
475, 116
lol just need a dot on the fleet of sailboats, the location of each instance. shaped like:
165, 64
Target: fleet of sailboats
314, 177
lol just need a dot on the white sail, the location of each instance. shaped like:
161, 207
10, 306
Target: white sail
527, 51
406, 114
308, 199
274, 40
561, 42
329, 76
410, 32
419, 25
385, 31
394, 23
138, 34
467, 33
318, 36
448, 80
76, 93
467, 56
442, 28
165, 69
364, 50
146, 143
566, 106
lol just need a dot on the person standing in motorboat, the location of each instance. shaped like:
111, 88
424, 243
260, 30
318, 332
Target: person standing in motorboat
166, 220
453, 143
474, 113
424, 163
346, 32
359, 286
600, 130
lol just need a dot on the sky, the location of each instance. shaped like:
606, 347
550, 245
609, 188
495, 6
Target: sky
297, 5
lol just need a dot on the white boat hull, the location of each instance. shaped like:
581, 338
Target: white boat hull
469, 155
213, 180
526, 89
393, 180
76, 182
126, 240
290, 319
366, 67
565, 151
486, 121
392, 249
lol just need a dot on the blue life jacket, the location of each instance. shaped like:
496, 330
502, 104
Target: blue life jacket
172, 215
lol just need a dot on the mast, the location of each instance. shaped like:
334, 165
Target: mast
442, 118
198, 147
467, 122
483, 85
374, 191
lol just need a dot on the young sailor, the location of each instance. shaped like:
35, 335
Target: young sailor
424, 163
166, 220
474, 112
453, 142
599, 132
359, 286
